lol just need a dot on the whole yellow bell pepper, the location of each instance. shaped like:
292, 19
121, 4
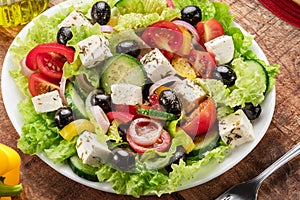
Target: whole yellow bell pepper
10, 163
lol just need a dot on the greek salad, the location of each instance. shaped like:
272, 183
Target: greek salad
139, 93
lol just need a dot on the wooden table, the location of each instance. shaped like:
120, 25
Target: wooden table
281, 44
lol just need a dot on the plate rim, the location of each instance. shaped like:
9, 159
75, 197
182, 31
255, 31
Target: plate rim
65, 170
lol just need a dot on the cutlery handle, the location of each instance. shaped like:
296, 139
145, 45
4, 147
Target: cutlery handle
277, 164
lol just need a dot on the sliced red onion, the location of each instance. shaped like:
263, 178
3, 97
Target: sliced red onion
107, 28
144, 131
25, 70
161, 82
62, 88
84, 83
88, 98
100, 117
190, 27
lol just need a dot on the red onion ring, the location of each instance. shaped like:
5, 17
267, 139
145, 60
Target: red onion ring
62, 87
25, 70
106, 28
163, 82
100, 117
84, 84
149, 131
190, 27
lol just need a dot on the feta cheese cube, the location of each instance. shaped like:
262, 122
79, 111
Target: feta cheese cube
189, 93
236, 129
222, 47
127, 94
93, 50
47, 102
75, 18
157, 66
90, 150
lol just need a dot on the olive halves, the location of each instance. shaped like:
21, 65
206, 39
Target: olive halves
170, 102
130, 47
225, 74
122, 159
191, 14
63, 116
100, 13
102, 100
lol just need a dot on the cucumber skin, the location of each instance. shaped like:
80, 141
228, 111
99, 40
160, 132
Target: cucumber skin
130, 63
70, 94
156, 114
82, 170
206, 142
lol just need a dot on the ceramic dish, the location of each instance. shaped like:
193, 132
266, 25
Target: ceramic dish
12, 96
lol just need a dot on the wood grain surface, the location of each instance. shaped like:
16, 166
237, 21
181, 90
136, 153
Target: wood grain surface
281, 44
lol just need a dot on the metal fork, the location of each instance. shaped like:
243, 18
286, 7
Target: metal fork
249, 190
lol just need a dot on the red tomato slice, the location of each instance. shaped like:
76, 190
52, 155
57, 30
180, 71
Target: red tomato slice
209, 29
164, 35
51, 64
201, 119
161, 144
203, 62
61, 49
40, 84
123, 117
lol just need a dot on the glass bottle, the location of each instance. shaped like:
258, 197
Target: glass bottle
18, 12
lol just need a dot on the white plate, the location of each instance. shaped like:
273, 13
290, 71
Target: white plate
12, 96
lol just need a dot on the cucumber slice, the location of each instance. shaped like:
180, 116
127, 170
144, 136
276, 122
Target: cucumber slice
156, 114
206, 142
122, 68
75, 102
257, 69
83, 170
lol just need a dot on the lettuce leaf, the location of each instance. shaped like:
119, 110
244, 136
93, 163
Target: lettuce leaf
39, 131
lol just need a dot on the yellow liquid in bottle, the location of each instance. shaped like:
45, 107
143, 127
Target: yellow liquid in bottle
18, 12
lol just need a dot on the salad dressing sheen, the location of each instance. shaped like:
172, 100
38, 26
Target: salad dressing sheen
18, 12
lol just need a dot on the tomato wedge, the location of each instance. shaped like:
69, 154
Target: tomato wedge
164, 35
144, 134
201, 119
203, 62
40, 84
49, 58
51, 64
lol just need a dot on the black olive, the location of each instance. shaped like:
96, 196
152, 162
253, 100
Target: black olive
63, 116
122, 159
100, 13
170, 102
225, 74
251, 111
64, 34
102, 100
130, 47
122, 129
191, 14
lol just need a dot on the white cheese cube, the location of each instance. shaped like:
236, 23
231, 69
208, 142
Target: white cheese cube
236, 129
75, 18
222, 47
127, 94
90, 150
47, 102
156, 65
189, 93
93, 50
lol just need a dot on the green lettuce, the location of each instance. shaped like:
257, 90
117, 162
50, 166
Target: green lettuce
39, 131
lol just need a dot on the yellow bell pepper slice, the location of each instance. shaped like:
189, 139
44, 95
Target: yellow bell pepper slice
10, 163
75, 128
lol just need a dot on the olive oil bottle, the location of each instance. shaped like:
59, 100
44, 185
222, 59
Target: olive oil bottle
18, 12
